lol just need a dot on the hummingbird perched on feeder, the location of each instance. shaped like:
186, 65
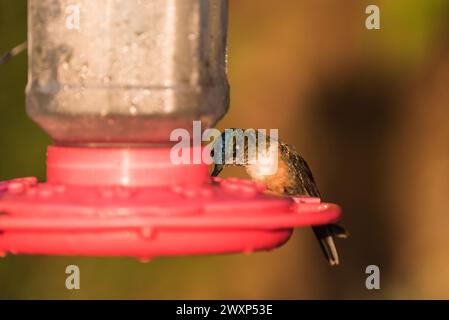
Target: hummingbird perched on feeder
281, 169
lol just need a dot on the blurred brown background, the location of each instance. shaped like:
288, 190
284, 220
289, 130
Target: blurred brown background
368, 109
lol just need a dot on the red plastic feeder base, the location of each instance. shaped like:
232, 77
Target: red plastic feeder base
136, 202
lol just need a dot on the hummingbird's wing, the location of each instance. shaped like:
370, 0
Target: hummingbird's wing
306, 177
303, 182
305, 185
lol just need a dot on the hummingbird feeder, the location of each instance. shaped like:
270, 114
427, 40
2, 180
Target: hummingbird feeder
109, 91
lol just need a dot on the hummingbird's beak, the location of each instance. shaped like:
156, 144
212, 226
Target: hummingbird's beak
217, 169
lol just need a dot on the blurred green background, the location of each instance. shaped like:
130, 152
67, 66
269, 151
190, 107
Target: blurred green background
368, 109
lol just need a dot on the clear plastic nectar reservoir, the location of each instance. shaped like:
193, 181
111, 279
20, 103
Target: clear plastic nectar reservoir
126, 71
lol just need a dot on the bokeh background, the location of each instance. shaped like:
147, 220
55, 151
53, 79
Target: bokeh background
368, 109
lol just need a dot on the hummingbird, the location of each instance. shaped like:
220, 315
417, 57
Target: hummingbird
283, 171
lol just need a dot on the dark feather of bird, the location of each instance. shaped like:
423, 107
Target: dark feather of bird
303, 183
292, 178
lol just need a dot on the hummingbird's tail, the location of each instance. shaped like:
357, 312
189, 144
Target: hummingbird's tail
325, 235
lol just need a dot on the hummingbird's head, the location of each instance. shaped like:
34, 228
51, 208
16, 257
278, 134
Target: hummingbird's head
233, 148
255, 151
